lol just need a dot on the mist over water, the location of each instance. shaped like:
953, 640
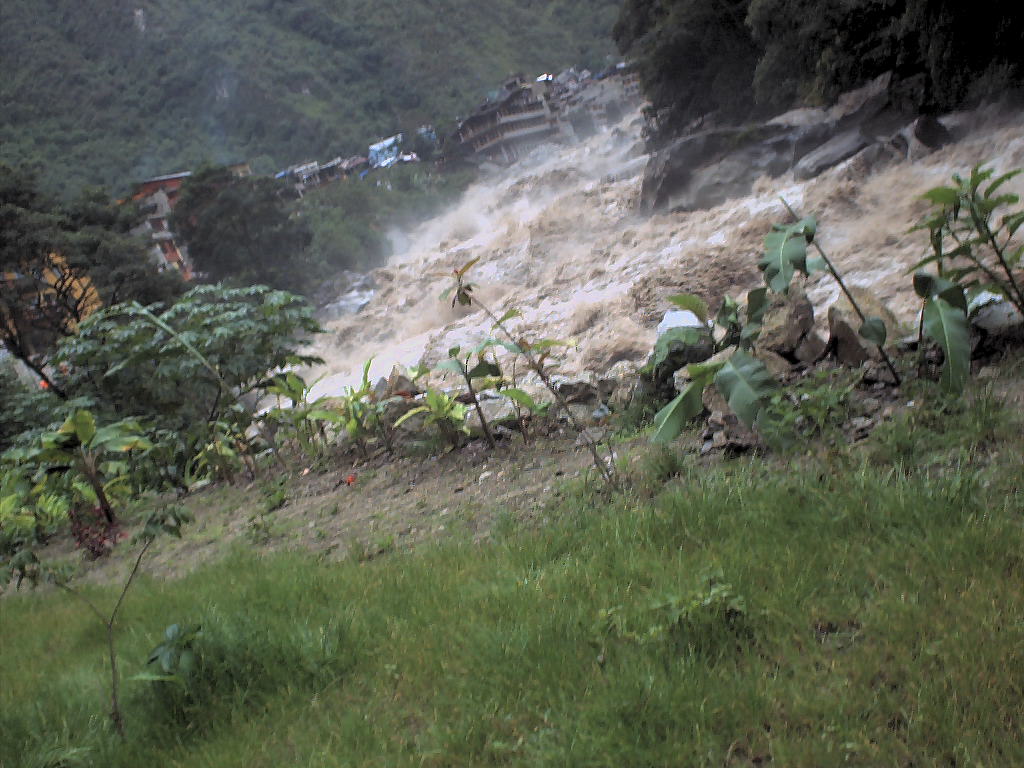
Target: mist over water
558, 237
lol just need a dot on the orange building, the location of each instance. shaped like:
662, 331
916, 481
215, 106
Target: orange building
46, 303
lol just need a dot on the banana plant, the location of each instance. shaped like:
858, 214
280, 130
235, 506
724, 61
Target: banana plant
944, 321
485, 369
443, 410
786, 254
93, 459
361, 413
970, 246
742, 379
302, 419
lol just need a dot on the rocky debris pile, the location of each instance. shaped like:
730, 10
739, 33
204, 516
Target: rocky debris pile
701, 170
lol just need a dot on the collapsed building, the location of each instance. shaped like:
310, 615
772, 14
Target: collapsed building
521, 115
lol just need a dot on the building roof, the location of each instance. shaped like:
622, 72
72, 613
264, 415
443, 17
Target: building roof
168, 177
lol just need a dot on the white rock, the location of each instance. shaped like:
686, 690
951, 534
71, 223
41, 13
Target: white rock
679, 318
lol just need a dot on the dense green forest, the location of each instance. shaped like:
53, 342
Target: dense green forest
739, 58
113, 92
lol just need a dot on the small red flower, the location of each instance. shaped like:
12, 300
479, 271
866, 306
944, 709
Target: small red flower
350, 480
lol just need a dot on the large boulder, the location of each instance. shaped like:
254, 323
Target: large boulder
682, 339
862, 105
831, 153
671, 179
705, 167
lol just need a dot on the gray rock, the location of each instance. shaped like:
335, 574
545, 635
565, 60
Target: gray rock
862, 104
998, 317
497, 411
732, 176
811, 348
850, 347
786, 322
670, 172
831, 153
581, 388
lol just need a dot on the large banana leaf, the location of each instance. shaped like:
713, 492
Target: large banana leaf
669, 421
785, 252
745, 383
947, 326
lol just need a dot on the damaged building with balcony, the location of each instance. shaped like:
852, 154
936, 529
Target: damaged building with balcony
524, 114
517, 118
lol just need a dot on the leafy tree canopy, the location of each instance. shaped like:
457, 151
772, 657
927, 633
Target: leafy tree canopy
240, 229
184, 364
61, 261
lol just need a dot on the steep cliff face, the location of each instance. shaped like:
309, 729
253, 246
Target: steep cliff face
560, 237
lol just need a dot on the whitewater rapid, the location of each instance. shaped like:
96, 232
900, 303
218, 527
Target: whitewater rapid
558, 237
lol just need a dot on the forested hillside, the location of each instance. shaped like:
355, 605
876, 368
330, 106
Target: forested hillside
112, 91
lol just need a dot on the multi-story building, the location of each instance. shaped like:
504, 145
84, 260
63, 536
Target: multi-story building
156, 198
521, 115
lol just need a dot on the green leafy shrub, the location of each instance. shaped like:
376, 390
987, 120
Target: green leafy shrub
193, 360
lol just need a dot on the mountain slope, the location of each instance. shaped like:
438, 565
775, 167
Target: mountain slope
108, 92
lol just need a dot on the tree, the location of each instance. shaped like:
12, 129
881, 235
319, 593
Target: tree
58, 264
693, 57
239, 230
188, 363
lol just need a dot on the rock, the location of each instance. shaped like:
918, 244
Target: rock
875, 157
860, 105
811, 348
497, 411
671, 170
397, 384
732, 176
583, 414
709, 165
929, 133
786, 322
713, 400
676, 348
681, 379
683, 318
860, 427
877, 372
850, 347
616, 385
831, 153
997, 317
580, 388
777, 365
590, 435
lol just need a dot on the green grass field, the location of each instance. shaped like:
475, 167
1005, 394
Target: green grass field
864, 607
